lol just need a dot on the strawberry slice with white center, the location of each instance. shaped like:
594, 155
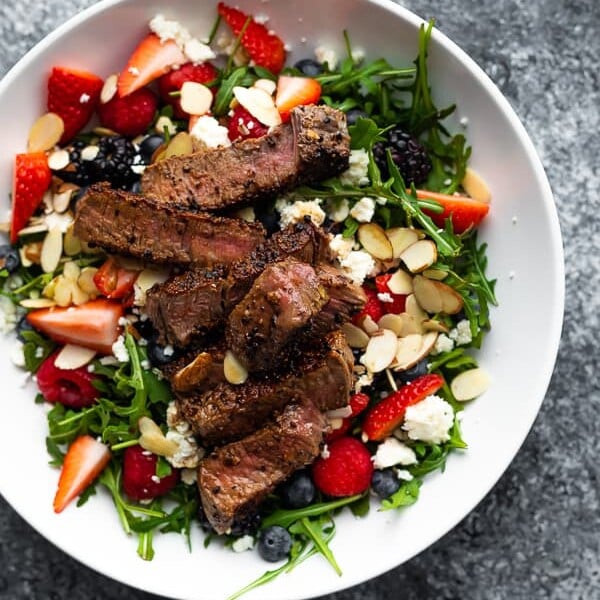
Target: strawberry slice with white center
295, 91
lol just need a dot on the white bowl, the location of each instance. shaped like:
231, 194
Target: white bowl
525, 255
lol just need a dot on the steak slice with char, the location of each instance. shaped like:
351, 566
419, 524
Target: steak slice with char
187, 305
315, 145
235, 479
133, 225
229, 412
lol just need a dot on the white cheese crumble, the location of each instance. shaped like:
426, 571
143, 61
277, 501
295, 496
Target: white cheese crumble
326, 55
189, 476
461, 334
365, 380
325, 452
385, 297
246, 542
296, 211
393, 452
404, 474
8, 315
208, 130
338, 210
188, 453
442, 344
358, 265
84, 98
120, 350
363, 210
429, 420
357, 172
16, 354
168, 350
341, 246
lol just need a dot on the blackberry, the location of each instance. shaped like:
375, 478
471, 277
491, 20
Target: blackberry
407, 153
113, 162
78, 170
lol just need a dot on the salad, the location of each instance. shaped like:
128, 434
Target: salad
394, 215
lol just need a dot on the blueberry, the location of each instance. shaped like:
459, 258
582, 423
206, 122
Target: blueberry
23, 325
421, 368
298, 491
274, 543
9, 258
385, 482
146, 329
309, 67
149, 145
354, 114
160, 355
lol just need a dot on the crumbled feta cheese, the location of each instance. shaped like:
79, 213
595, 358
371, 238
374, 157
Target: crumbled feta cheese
341, 246
208, 130
429, 420
357, 172
120, 350
358, 265
8, 315
338, 210
365, 380
358, 55
461, 334
108, 361
326, 55
39, 352
261, 18
188, 452
404, 474
464, 121
145, 364
84, 98
325, 452
138, 169
246, 214
363, 210
392, 452
246, 542
189, 476
385, 297
197, 52
296, 211
16, 355
155, 478
168, 350
442, 344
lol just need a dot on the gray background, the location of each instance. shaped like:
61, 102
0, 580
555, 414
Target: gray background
537, 534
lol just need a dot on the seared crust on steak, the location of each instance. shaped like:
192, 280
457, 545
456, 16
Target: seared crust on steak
315, 145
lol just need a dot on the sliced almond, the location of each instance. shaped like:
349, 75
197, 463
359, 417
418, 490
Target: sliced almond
470, 384
400, 283
412, 307
437, 274
63, 291
407, 352
153, 439
38, 228
32, 252
23, 256
71, 271
196, 98
339, 413
380, 351
85, 281
191, 375
235, 372
61, 201
369, 325
392, 322
45, 133
180, 145
433, 325
475, 186
109, 89
90, 152
73, 357
355, 336
58, 159
150, 277
78, 296
259, 104
401, 238
37, 303
104, 131
410, 324
51, 250
435, 296
268, 85
374, 240
419, 256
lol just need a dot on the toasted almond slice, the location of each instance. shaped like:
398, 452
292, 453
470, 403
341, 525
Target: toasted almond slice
401, 238
433, 325
24, 258
470, 384
51, 250
153, 439
71, 270
437, 274
72, 357
85, 281
58, 159
259, 103
191, 375
380, 351
419, 256
90, 152
78, 296
268, 85
61, 201
180, 145
435, 296
412, 307
400, 283
31, 252
392, 322
235, 372
374, 240
355, 336
475, 186
339, 413
71, 243
63, 291
40, 228
109, 89
104, 131
410, 324
369, 325
45, 133
429, 340
408, 352
37, 303
147, 279
196, 98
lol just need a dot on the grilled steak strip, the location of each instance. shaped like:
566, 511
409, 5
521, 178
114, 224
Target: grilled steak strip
315, 145
229, 412
187, 305
282, 300
130, 224
234, 479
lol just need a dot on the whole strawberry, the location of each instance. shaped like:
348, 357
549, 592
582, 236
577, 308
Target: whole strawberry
173, 81
130, 116
242, 125
346, 471
73, 95
140, 481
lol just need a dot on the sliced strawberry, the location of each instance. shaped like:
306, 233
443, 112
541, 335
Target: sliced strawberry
358, 403
94, 324
373, 308
31, 178
130, 116
398, 303
295, 91
346, 471
114, 281
264, 47
242, 125
140, 481
465, 212
384, 417
173, 81
73, 95
84, 461
151, 59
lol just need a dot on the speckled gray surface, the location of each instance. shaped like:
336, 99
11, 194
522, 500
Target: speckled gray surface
537, 534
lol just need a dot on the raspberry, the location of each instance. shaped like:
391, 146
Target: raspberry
346, 471
140, 481
130, 116
373, 308
72, 387
242, 125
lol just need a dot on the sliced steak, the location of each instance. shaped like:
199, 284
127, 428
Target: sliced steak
315, 145
188, 304
229, 412
130, 224
282, 300
235, 479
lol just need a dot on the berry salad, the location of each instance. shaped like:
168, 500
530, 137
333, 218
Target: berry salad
247, 290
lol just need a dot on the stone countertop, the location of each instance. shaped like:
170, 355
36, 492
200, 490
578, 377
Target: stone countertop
537, 533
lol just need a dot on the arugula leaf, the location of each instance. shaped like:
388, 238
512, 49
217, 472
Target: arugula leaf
407, 494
